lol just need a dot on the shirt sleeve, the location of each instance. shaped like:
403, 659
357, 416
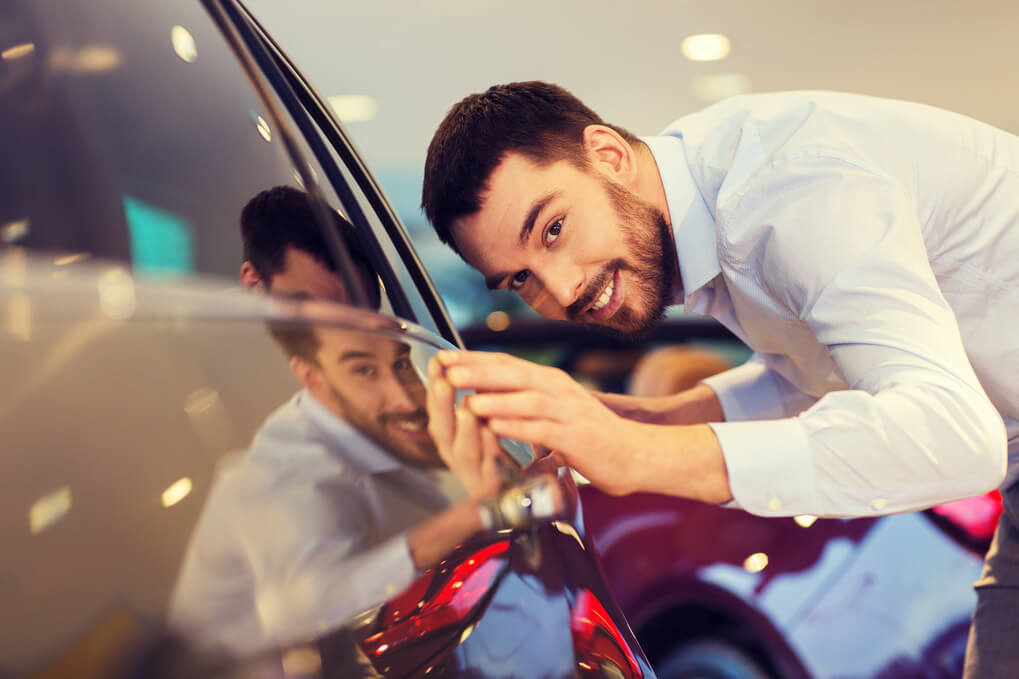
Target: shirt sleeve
754, 392
841, 248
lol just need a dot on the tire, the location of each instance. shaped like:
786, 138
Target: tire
708, 659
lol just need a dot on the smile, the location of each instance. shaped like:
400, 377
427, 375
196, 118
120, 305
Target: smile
414, 425
609, 300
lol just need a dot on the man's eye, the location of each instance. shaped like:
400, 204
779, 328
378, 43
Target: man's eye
519, 278
403, 364
553, 232
364, 370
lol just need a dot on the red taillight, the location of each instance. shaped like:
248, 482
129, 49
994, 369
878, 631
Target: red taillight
461, 591
597, 641
978, 516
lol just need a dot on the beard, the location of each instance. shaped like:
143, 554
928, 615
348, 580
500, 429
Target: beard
649, 256
376, 427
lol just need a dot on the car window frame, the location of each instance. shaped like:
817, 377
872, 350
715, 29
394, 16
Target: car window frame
413, 295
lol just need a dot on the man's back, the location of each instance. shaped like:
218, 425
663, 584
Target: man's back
771, 166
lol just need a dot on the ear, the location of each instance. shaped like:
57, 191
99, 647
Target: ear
307, 373
250, 280
610, 153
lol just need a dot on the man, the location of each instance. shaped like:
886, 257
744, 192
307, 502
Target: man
866, 249
342, 497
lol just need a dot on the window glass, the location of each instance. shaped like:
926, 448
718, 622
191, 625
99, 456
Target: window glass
139, 142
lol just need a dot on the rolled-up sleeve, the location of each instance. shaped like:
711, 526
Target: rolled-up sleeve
841, 248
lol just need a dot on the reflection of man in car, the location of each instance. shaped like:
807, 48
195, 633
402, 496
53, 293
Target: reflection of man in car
341, 498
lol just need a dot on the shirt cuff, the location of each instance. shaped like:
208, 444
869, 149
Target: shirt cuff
753, 392
769, 466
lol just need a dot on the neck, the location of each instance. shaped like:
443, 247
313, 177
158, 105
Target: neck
650, 188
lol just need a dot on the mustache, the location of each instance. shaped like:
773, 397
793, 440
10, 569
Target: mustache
419, 415
594, 288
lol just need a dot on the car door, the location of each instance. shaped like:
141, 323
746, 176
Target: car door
145, 533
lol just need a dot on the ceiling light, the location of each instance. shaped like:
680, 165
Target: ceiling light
49, 509
17, 51
805, 520
71, 259
14, 231
116, 294
705, 47
176, 492
183, 44
262, 126
755, 563
354, 108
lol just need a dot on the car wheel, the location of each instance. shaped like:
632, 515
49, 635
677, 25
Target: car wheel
708, 659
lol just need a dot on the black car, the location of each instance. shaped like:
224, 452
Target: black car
143, 534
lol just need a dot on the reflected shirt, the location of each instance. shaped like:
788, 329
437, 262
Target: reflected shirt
868, 251
301, 533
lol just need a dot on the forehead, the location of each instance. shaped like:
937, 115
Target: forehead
339, 343
513, 189
303, 273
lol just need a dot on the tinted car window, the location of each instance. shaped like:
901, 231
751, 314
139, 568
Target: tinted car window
136, 141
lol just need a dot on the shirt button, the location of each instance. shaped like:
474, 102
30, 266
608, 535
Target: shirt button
774, 504
879, 503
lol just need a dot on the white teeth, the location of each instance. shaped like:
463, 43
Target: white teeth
408, 425
606, 295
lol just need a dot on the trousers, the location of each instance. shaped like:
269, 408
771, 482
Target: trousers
992, 651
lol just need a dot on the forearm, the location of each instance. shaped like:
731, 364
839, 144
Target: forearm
696, 405
681, 460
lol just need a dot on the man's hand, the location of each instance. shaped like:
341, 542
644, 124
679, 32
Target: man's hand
544, 406
470, 450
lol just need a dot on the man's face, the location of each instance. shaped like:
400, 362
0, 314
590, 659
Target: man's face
371, 383
575, 244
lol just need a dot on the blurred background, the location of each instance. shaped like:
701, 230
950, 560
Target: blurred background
392, 68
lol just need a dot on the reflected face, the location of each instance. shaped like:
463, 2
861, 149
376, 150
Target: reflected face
573, 243
371, 383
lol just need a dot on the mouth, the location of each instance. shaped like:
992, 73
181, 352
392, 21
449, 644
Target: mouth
610, 299
413, 425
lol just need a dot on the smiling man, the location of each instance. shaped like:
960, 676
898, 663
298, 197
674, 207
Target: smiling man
866, 249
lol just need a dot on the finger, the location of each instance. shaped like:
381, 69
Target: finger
441, 427
534, 431
467, 446
491, 478
449, 359
518, 404
502, 376
435, 368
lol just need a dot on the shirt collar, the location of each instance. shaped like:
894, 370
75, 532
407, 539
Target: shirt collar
693, 226
360, 453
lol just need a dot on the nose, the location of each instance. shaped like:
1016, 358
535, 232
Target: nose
399, 397
563, 280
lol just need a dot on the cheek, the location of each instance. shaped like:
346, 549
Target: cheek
547, 306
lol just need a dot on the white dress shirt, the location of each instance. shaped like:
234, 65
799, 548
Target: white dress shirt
302, 532
868, 251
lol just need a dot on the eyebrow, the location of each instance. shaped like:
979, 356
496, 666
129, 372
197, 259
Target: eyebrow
492, 282
352, 355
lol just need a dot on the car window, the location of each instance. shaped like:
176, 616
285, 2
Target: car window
411, 290
137, 142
